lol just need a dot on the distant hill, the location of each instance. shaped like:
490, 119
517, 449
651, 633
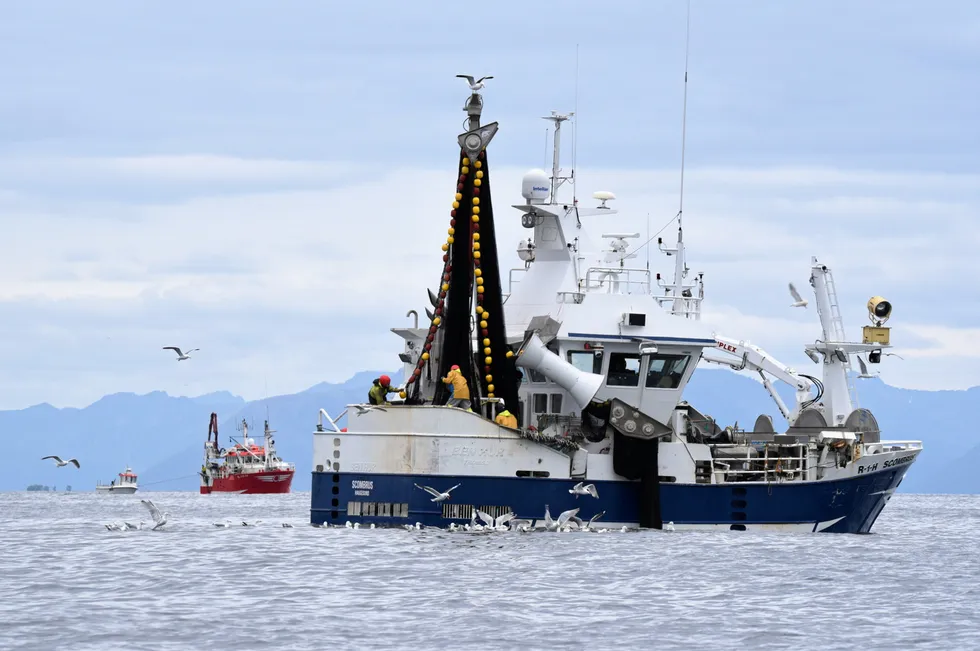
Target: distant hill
162, 436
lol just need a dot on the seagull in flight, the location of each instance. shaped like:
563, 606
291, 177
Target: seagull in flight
799, 300
581, 489
159, 518
475, 85
864, 369
363, 409
436, 495
181, 356
60, 463
555, 525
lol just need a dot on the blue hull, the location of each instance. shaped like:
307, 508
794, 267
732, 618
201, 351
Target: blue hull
841, 506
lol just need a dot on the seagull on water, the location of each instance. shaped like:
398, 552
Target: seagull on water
799, 301
436, 495
582, 489
286, 525
496, 524
522, 525
475, 85
251, 524
181, 356
115, 526
159, 518
60, 463
222, 525
133, 527
586, 526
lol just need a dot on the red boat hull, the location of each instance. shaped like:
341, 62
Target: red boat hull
253, 483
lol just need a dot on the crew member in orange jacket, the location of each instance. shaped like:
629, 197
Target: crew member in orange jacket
504, 417
461, 390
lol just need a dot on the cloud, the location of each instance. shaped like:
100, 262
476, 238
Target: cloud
291, 287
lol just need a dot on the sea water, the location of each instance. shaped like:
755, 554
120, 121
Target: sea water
68, 583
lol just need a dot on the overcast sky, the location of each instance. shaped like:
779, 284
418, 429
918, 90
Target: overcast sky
268, 181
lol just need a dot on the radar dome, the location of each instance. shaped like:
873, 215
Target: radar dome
536, 186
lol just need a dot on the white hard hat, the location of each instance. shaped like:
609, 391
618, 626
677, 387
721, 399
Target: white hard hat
500, 402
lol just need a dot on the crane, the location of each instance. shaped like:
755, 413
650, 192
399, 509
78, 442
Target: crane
754, 358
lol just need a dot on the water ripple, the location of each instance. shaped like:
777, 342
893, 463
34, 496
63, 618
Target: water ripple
67, 582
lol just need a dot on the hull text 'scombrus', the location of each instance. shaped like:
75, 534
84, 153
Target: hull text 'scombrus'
245, 467
559, 388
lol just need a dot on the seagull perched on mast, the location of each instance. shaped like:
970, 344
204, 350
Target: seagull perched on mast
800, 301
180, 355
475, 85
60, 463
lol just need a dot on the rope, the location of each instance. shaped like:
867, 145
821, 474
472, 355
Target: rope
164, 481
669, 222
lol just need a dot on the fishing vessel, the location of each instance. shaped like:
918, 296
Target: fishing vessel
124, 484
245, 467
592, 354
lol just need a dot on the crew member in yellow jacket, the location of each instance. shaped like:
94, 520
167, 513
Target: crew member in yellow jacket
461, 390
504, 417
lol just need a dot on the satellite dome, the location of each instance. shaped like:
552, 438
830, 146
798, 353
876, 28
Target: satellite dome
536, 186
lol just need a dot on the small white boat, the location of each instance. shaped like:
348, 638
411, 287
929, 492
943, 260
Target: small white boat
126, 483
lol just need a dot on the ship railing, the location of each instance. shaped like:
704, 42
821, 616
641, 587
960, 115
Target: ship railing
902, 445
765, 467
694, 303
628, 280
333, 423
570, 297
510, 278
891, 446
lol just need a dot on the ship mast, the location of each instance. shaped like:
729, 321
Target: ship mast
681, 295
467, 324
556, 179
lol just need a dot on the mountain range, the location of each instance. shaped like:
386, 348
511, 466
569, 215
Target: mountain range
161, 436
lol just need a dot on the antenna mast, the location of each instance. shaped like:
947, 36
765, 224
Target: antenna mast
556, 178
575, 136
687, 57
681, 295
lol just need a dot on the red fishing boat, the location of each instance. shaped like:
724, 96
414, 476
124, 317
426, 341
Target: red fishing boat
245, 467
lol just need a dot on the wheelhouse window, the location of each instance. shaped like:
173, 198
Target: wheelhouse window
556, 403
536, 376
540, 403
624, 370
665, 371
588, 361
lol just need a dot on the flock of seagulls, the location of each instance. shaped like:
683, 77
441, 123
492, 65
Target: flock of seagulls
159, 519
480, 521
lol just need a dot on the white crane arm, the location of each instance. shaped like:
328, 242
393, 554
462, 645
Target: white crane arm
754, 358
